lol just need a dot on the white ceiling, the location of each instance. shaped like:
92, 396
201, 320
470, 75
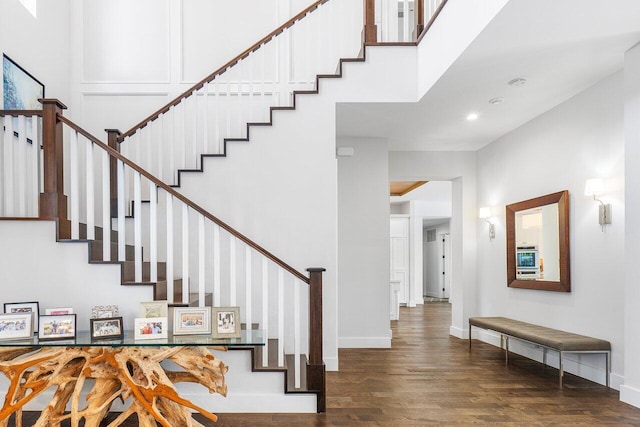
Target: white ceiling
560, 46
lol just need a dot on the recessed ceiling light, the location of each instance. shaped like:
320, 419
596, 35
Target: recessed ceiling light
517, 82
496, 100
472, 116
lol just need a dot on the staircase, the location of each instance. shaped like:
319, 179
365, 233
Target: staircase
190, 257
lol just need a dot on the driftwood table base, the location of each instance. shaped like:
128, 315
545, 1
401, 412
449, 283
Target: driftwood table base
116, 373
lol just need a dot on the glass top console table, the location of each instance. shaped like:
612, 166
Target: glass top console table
115, 369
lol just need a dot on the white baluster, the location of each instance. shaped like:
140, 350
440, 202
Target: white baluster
22, 169
121, 214
265, 310
185, 254
406, 31
91, 224
172, 145
153, 232
227, 73
74, 192
250, 116
248, 284
106, 208
35, 165
137, 225
149, 149
280, 317
296, 327
239, 90
170, 294
201, 261
216, 265
217, 143
205, 119
232, 271
194, 130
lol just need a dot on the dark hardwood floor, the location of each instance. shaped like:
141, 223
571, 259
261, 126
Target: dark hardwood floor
430, 378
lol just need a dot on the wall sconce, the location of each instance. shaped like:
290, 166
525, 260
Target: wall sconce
485, 213
595, 187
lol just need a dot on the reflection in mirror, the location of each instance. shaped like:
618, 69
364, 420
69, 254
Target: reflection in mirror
538, 243
537, 251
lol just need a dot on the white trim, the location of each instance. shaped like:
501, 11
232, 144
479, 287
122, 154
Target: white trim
331, 364
630, 395
458, 332
364, 342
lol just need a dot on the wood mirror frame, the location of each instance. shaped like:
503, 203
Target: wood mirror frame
564, 285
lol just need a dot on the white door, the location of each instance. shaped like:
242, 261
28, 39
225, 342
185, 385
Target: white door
399, 262
446, 265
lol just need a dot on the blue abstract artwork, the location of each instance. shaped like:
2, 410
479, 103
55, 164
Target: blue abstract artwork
21, 90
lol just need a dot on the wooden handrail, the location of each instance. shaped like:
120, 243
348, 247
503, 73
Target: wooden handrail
114, 154
221, 70
15, 113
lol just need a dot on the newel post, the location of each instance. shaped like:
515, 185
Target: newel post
370, 30
112, 141
419, 18
53, 202
315, 366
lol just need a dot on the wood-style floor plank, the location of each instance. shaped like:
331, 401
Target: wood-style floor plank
430, 378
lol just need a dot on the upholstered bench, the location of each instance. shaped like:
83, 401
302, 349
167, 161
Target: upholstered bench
547, 338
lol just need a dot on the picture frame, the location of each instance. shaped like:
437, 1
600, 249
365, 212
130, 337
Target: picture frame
154, 309
150, 328
58, 310
104, 311
16, 326
107, 328
25, 307
226, 322
21, 90
57, 327
191, 320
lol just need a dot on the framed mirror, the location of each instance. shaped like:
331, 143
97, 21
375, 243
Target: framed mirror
538, 243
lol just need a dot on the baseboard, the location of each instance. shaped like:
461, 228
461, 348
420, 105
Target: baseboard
331, 363
463, 334
588, 366
364, 342
630, 395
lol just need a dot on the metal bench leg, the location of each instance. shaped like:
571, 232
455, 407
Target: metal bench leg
608, 373
544, 357
561, 370
506, 350
469, 336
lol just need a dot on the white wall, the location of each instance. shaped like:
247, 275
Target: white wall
363, 242
630, 390
581, 138
31, 260
39, 45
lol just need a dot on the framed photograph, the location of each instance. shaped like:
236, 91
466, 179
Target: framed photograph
154, 309
104, 311
15, 326
226, 322
24, 307
21, 90
58, 311
59, 327
108, 328
150, 328
191, 320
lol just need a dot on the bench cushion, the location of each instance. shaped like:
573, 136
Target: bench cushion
548, 337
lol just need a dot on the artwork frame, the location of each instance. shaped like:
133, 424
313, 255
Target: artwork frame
16, 326
104, 311
58, 310
106, 328
226, 322
25, 307
154, 309
57, 327
191, 320
21, 90
142, 323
